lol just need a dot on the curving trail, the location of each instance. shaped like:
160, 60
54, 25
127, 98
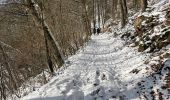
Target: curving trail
101, 71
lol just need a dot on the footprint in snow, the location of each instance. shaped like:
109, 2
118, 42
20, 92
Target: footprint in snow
97, 81
75, 94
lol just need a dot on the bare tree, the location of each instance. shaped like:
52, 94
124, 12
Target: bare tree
86, 17
114, 8
144, 5
123, 8
48, 35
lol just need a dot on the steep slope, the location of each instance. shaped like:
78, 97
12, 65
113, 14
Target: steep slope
149, 31
109, 68
105, 69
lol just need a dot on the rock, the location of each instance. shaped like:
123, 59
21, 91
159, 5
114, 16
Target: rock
132, 45
147, 38
136, 41
166, 35
109, 30
155, 38
138, 25
152, 47
135, 71
161, 40
103, 77
115, 34
163, 87
166, 55
138, 21
146, 62
167, 18
167, 22
126, 35
161, 44
132, 36
142, 47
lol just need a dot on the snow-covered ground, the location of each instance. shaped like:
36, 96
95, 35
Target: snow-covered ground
106, 69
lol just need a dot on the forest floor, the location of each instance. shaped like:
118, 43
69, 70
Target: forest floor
105, 69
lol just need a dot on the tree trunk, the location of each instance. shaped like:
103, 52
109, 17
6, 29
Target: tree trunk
122, 13
98, 13
94, 17
144, 5
125, 8
86, 18
114, 9
48, 34
103, 12
2, 84
8, 68
136, 4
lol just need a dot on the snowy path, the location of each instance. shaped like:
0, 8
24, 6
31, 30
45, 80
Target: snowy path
101, 71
